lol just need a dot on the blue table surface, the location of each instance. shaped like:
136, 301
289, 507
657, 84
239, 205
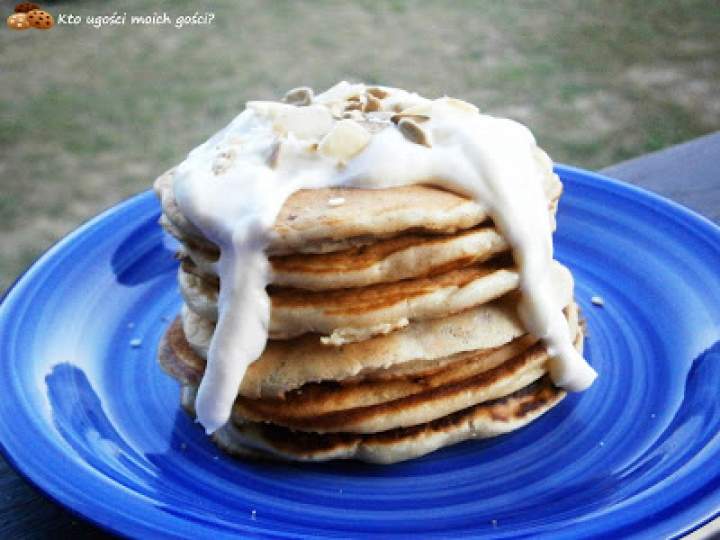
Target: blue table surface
688, 173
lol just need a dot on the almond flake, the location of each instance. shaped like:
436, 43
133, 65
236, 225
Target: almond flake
424, 109
346, 139
354, 115
543, 159
311, 122
336, 201
336, 109
461, 105
374, 125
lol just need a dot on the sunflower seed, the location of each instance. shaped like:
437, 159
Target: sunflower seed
419, 118
273, 154
300, 96
377, 92
412, 132
373, 104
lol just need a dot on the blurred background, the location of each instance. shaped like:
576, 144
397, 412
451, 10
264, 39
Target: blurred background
90, 116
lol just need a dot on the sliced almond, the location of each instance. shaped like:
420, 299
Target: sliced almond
374, 125
413, 132
269, 109
300, 96
543, 159
354, 115
311, 122
422, 109
336, 109
346, 139
461, 105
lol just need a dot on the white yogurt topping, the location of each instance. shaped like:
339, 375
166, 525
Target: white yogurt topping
233, 187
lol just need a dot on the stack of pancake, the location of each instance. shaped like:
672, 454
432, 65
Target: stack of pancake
393, 328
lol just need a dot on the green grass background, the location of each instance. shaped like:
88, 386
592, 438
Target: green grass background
90, 116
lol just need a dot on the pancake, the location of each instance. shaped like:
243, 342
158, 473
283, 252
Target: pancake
357, 406
347, 315
182, 226
369, 406
183, 363
344, 314
382, 261
308, 224
286, 365
393, 259
485, 420
421, 407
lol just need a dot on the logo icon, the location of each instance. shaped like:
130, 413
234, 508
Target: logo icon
29, 15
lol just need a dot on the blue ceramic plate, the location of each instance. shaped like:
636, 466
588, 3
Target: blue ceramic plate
88, 416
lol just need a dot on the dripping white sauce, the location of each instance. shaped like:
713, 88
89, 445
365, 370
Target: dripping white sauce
233, 187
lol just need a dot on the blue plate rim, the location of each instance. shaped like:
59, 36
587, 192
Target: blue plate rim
120, 525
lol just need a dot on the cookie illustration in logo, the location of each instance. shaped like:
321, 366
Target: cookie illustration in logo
18, 21
40, 19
